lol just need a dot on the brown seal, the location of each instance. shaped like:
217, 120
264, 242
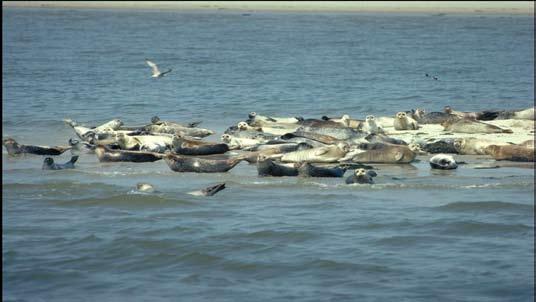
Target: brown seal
511, 152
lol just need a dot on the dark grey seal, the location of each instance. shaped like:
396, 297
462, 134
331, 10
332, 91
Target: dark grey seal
307, 170
105, 154
267, 167
48, 164
14, 148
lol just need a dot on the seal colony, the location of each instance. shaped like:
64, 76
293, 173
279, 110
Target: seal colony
304, 147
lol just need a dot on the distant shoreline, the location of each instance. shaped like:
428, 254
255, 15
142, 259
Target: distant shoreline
457, 7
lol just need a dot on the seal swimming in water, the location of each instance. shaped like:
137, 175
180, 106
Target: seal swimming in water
472, 126
307, 170
145, 187
180, 163
443, 162
14, 148
361, 176
48, 164
267, 167
105, 154
209, 191
511, 152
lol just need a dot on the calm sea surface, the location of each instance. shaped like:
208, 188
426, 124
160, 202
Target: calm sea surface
416, 235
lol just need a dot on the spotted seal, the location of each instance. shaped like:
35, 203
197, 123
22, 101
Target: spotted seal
443, 162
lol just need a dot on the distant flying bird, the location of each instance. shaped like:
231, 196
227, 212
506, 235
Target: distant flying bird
156, 71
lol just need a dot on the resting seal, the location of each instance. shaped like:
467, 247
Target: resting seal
443, 162
361, 176
511, 152
267, 167
470, 126
105, 154
48, 164
327, 154
184, 146
473, 146
308, 170
381, 153
200, 165
14, 148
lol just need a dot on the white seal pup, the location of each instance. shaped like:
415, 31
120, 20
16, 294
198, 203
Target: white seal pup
403, 122
371, 126
443, 162
48, 164
361, 176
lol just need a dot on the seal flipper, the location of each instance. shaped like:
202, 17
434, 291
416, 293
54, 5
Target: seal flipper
194, 124
213, 189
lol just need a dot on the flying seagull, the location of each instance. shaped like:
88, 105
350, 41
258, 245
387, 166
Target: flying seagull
156, 71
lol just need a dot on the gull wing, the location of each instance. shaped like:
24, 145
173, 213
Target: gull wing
153, 66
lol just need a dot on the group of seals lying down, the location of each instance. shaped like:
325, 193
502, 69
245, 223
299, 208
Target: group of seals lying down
293, 146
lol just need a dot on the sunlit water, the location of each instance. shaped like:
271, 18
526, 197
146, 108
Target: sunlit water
416, 235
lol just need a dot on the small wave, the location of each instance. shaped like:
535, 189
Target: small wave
403, 241
468, 228
463, 206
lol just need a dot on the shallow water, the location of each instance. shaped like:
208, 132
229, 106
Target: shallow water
415, 235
